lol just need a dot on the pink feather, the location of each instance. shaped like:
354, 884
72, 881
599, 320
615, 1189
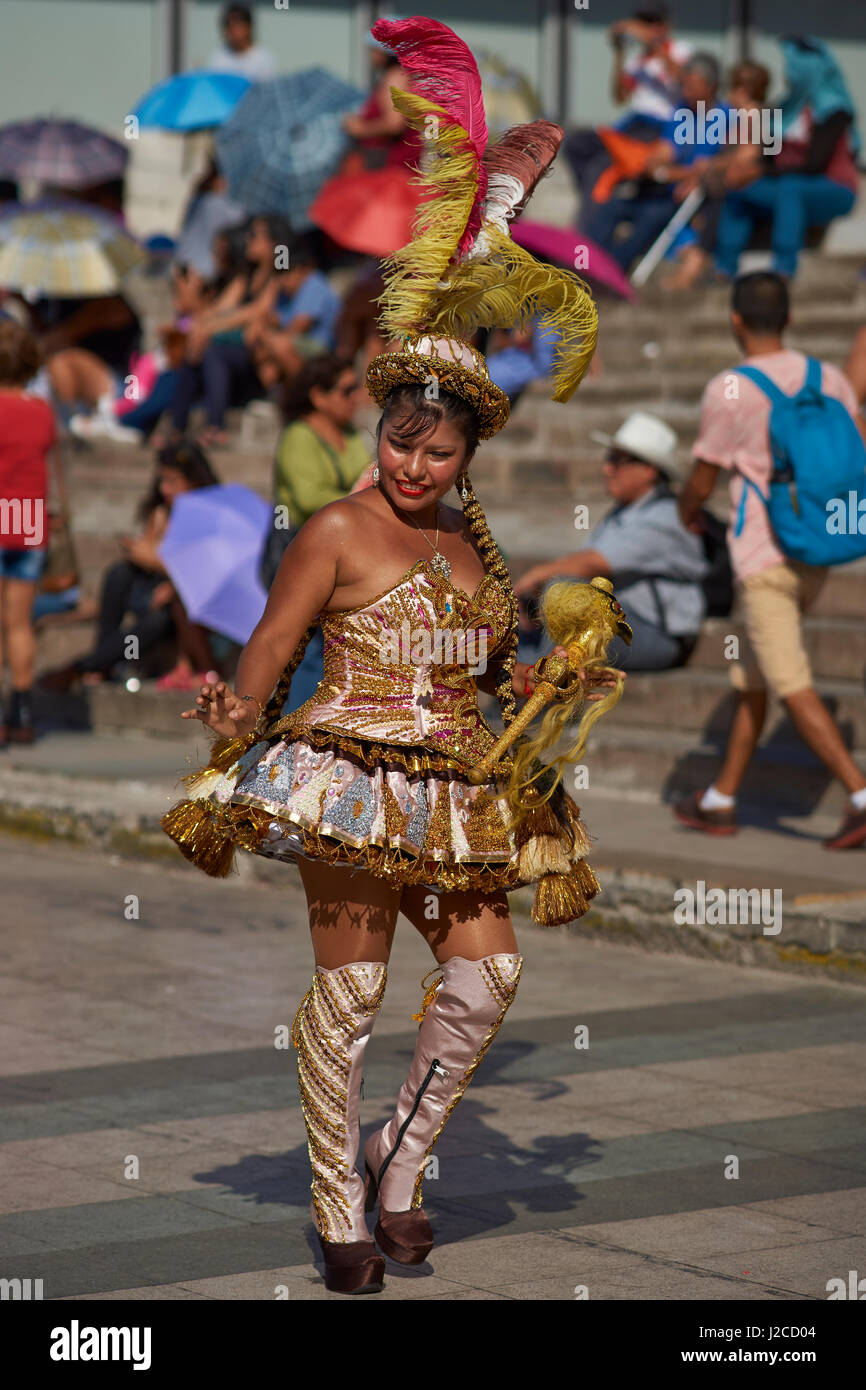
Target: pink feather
443, 70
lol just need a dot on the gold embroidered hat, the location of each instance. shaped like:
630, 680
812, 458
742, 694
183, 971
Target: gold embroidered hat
453, 366
461, 271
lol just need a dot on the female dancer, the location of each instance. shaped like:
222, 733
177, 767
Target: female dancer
367, 785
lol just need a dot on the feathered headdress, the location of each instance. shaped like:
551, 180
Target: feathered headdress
462, 271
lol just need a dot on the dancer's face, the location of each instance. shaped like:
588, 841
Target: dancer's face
415, 473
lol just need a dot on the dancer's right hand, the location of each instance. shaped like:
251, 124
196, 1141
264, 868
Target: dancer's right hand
223, 711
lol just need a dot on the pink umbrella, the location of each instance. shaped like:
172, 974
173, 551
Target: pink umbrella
573, 249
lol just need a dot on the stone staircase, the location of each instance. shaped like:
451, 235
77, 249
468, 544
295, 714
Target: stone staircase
666, 734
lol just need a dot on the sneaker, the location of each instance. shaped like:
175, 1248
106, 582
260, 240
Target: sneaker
104, 427
720, 822
851, 833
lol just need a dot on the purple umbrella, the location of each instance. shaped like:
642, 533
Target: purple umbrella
211, 549
65, 154
563, 245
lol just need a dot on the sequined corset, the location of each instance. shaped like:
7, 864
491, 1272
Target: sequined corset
400, 669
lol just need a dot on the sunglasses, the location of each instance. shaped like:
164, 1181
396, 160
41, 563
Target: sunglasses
619, 456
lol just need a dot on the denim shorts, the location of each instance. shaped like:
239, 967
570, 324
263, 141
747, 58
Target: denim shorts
26, 563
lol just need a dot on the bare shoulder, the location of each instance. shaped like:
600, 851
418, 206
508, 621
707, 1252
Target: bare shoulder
342, 522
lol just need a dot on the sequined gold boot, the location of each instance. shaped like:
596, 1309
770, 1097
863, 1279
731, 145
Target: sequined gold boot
461, 1016
330, 1031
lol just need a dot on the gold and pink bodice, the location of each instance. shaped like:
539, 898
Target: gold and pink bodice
400, 668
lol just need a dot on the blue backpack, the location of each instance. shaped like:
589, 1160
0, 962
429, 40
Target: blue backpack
817, 498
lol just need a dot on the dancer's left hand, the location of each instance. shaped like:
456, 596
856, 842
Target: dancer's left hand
598, 681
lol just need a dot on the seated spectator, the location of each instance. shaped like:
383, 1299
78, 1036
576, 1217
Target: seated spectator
381, 133
813, 177
27, 433
131, 416
106, 326
357, 328
648, 83
519, 356
659, 168
219, 365
139, 584
239, 53
210, 211
301, 322
320, 458
656, 564
730, 169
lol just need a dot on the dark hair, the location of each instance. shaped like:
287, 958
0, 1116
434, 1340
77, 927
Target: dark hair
707, 64
237, 264
236, 12
422, 414
187, 459
754, 78
653, 14
19, 353
278, 227
761, 299
320, 373
302, 250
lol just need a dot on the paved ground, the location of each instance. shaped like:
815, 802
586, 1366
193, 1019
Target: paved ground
604, 1167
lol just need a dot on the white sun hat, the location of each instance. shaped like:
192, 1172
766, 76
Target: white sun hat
649, 439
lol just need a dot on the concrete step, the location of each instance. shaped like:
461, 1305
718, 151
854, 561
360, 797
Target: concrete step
836, 646
619, 353
703, 700
647, 764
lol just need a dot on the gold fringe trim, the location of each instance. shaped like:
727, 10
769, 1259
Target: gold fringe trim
398, 866
369, 753
561, 898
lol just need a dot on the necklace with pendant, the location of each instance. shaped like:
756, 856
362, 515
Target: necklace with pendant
439, 562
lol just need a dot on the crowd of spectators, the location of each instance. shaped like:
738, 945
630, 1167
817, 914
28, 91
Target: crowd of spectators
256, 315
790, 165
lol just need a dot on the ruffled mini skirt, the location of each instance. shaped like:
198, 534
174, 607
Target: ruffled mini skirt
400, 813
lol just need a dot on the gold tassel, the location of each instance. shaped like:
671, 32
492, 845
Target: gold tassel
543, 854
430, 994
561, 898
202, 834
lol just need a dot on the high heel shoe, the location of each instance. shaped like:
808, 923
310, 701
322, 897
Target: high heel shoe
331, 1030
461, 1015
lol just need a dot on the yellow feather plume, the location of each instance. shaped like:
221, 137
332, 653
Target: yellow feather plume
449, 174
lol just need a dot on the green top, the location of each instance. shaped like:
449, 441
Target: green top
308, 472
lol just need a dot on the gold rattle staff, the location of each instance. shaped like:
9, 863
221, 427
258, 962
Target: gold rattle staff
548, 671
597, 614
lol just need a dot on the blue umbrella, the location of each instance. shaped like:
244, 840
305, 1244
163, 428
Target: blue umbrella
284, 140
211, 549
191, 100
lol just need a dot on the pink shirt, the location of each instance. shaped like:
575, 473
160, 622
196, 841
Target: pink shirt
734, 433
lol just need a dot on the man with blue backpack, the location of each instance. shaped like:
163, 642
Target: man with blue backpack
786, 428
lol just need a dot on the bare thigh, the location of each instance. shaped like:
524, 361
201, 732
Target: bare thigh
468, 924
352, 914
